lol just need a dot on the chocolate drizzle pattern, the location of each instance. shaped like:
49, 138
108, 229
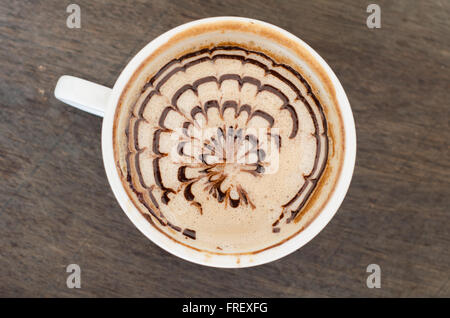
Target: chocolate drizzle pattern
166, 106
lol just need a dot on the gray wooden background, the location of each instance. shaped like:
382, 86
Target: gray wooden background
56, 207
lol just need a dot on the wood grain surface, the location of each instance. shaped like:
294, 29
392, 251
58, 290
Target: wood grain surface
56, 207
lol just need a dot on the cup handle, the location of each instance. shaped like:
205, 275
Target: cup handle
82, 94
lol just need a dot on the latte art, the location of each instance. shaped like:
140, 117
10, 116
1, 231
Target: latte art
224, 148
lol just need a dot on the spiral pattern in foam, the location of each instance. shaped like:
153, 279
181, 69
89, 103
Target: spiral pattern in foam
217, 126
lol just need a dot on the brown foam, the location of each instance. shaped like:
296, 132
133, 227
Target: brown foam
313, 194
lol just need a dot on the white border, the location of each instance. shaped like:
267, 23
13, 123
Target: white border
216, 260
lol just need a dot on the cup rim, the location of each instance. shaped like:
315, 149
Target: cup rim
227, 260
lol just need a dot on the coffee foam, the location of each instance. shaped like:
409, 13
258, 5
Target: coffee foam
197, 148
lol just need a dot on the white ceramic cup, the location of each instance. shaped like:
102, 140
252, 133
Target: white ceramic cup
102, 101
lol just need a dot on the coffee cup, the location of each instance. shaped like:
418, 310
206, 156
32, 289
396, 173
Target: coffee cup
328, 184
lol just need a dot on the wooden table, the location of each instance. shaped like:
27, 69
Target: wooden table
56, 207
